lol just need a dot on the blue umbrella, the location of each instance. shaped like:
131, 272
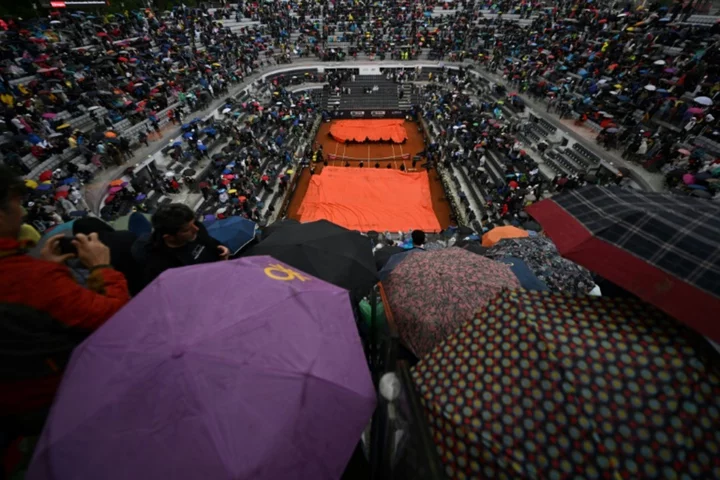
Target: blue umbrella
44, 187
427, 14
187, 135
57, 230
394, 261
139, 224
178, 143
582, 72
528, 280
202, 148
210, 131
233, 232
69, 181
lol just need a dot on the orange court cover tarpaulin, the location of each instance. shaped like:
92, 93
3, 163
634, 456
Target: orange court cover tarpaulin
372, 130
367, 199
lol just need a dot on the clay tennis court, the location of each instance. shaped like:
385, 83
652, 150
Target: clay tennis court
370, 198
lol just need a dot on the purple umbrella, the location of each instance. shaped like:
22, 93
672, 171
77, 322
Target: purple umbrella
269, 383
140, 197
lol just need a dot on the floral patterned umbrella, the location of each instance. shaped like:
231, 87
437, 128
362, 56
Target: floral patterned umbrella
433, 293
543, 385
543, 258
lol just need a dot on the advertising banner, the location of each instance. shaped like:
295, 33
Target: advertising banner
355, 114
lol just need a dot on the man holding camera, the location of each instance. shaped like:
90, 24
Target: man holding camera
41, 303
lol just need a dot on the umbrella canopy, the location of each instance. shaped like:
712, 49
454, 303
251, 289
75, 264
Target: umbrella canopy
395, 260
270, 383
661, 247
384, 254
123, 223
543, 385
233, 232
498, 233
706, 101
433, 293
543, 258
325, 250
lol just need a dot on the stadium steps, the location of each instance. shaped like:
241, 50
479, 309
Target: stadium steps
585, 152
467, 194
406, 102
560, 164
582, 162
494, 166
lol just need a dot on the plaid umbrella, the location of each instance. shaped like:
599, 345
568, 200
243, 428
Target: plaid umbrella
433, 293
541, 255
543, 385
663, 248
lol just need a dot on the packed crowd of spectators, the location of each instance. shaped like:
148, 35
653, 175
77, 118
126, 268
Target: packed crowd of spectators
645, 80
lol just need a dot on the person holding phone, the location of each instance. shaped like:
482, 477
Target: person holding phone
41, 302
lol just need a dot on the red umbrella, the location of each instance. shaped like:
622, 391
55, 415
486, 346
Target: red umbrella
265, 178
102, 34
658, 246
61, 194
45, 176
109, 199
513, 184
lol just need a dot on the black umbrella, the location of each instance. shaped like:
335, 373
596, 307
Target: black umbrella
382, 256
701, 194
324, 250
474, 247
534, 226
189, 172
277, 225
464, 230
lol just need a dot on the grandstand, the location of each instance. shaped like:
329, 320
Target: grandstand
398, 131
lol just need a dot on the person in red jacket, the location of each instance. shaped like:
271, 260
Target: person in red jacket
42, 304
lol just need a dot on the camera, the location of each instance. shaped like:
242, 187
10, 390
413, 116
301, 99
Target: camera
66, 246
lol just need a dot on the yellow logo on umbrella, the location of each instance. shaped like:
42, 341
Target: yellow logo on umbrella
283, 273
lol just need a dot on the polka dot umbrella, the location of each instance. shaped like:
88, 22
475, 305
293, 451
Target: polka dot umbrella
542, 385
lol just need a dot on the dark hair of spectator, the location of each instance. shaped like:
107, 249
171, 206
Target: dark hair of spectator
11, 185
169, 219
